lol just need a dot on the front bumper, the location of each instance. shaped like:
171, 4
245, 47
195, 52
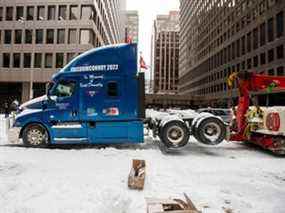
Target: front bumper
13, 135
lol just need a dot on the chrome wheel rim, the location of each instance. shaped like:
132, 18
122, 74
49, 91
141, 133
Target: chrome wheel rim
175, 134
35, 137
212, 131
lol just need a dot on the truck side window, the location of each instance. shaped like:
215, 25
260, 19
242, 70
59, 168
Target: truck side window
112, 89
65, 89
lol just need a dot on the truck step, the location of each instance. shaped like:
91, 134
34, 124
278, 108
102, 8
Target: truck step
71, 140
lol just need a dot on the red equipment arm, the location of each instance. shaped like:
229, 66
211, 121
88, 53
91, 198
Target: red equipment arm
248, 82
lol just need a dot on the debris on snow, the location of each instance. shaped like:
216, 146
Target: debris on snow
137, 175
171, 205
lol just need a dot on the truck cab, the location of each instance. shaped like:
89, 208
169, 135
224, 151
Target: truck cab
97, 98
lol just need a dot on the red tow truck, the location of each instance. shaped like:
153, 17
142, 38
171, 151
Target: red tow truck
264, 126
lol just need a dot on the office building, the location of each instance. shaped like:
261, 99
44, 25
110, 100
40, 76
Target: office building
132, 26
219, 37
165, 53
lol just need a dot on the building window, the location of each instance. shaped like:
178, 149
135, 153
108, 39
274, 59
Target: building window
280, 71
38, 60
1, 13
280, 24
8, 36
18, 36
238, 48
262, 59
243, 45
72, 36
249, 63
50, 36
9, 13
262, 34
51, 12
28, 36
74, 13
17, 60
270, 32
248, 42
70, 56
255, 61
30, 13
255, 38
61, 36
6, 60
262, 7
86, 12
27, 60
39, 36
41, 13
243, 65
86, 37
271, 72
280, 52
20, 13
238, 67
270, 55
48, 60
62, 13
59, 60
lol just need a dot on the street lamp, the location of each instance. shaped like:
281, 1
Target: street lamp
21, 20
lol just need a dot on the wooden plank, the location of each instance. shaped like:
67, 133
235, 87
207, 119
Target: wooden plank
171, 206
190, 203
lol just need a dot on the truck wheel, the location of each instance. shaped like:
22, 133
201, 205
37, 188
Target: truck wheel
174, 134
211, 131
35, 135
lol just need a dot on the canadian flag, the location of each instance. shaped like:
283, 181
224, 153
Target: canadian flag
142, 63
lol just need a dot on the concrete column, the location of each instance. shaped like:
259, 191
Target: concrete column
25, 91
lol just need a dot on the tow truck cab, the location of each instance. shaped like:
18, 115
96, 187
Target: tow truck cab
97, 98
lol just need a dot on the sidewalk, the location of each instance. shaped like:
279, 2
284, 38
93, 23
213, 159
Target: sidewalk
5, 124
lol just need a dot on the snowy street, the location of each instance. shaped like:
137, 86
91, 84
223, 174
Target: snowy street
227, 178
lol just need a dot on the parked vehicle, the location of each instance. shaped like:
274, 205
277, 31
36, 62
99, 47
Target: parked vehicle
224, 113
99, 98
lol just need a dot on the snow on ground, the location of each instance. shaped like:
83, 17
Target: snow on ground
90, 179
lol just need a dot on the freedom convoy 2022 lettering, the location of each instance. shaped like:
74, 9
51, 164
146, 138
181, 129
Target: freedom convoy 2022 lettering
107, 67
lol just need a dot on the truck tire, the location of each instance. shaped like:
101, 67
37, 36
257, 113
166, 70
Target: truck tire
35, 135
174, 134
210, 131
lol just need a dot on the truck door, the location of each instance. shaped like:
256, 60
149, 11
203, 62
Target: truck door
63, 113
103, 109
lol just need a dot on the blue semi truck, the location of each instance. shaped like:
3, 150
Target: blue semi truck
98, 98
